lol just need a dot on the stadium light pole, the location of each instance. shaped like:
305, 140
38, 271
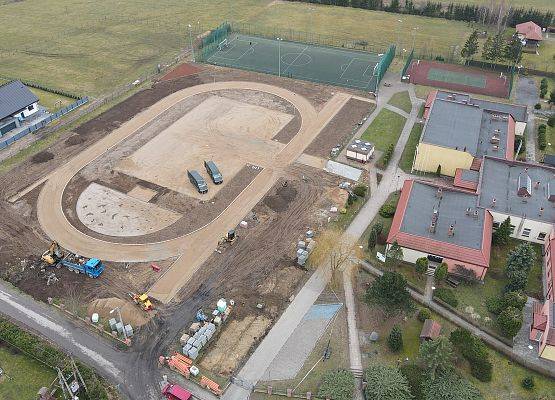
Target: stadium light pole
279, 56
191, 41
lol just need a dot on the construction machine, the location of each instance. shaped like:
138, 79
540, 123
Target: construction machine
53, 255
142, 300
230, 237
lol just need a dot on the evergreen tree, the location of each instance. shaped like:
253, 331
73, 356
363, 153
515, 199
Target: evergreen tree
470, 48
390, 292
497, 47
551, 100
441, 272
450, 386
394, 255
421, 265
438, 170
386, 383
394, 6
503, 233
436, 356
372, 239
395, 339
487, 52
513, 51
510, 321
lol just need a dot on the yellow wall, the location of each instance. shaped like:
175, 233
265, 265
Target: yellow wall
548, 352
429, 156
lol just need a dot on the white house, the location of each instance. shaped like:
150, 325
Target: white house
359, 150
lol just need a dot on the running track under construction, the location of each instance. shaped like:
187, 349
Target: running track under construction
194, 248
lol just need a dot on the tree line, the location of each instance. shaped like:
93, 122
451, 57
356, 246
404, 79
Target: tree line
499, 14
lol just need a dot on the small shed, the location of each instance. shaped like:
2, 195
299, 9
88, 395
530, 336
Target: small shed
359, 150
430, 330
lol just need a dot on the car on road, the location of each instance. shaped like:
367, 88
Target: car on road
214, 172
198, 181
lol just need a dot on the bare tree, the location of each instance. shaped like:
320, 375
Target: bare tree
333, 249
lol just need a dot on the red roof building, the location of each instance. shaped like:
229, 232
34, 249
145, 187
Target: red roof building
530, 31
430, 330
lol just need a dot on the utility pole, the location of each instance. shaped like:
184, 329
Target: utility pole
279, 56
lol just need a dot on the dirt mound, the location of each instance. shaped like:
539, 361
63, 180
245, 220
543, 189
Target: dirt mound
280, 201
181, 70
74, 140
130, 312
41, 157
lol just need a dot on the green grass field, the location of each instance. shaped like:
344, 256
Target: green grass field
384, 129
90, 48
402, 101
23, 376
408, 152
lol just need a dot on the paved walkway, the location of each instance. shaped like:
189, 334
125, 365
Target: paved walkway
429, 289
527, 94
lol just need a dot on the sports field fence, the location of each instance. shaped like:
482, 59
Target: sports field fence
384, 63
410, 57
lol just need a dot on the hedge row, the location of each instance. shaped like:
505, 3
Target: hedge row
45, 88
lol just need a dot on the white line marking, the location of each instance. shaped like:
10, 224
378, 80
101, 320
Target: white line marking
346, 68
296, 58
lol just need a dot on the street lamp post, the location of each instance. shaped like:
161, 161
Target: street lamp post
279, 56
191, 41
120, 320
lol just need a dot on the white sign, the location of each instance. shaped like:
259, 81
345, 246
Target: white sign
380, 256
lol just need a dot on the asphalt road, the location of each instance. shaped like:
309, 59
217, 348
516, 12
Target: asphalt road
135, 371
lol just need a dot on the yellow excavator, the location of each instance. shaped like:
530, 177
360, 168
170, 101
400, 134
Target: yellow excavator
53, 255
142, 300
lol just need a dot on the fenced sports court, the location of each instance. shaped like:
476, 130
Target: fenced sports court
351, 68
460, 78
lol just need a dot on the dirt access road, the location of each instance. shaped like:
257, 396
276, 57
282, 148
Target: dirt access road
194, 248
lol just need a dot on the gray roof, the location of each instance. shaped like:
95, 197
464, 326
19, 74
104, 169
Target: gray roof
451, 210
466, 127
360, 147
15, 96
500, 180
470, 175
518, 111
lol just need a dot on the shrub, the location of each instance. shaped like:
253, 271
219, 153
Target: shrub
378, 227
415, 377
337, 385
421, 265
441, 272
542, 128
538, 106
387, 210
447, 295
542, 140
514, 299
551, 121
494, 305
510, 321
518, 141
372, 239
386, 157
395, 339
528, 382
424, 314
475, 352
360, 190
440, 58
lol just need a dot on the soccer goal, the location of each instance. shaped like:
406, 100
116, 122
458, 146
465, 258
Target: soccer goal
223, 45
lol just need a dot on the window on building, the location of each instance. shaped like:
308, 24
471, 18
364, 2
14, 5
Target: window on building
496, 225
31, 107
542, 235
526, 232
513, 229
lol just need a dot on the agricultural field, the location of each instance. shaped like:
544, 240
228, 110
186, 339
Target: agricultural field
90, 48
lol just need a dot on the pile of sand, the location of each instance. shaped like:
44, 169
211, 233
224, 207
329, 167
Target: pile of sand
130, 312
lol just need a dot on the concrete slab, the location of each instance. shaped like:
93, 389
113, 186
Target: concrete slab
113, 213
294, 353
346, 171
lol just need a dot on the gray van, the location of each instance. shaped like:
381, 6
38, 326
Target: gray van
214, 172
198, 181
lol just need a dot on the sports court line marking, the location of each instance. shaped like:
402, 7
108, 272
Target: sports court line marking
346, 68
296, 58
216, 56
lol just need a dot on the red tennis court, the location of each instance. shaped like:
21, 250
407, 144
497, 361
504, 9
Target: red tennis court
459, 78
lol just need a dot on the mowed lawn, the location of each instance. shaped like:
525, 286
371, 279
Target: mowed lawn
402, 101
23, 376
89, 47
384, 129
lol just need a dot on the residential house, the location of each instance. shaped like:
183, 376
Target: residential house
530, 34
17, 103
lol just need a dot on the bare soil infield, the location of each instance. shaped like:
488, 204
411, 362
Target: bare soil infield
340, 129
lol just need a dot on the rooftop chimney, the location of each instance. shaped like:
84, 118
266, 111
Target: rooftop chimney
493, 201
537, 185
439, 193
451, 230
468, 211
541, 211
476, 214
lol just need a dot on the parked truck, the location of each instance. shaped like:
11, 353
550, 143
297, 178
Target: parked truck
54, 256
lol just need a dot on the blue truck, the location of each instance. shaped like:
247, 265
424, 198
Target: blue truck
54, 256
